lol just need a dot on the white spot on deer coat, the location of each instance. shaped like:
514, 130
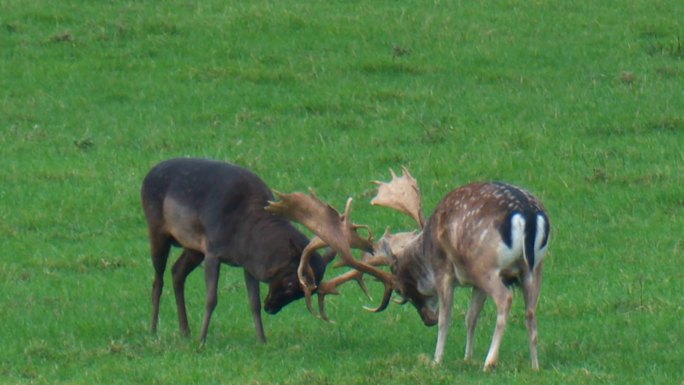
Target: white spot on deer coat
483, 235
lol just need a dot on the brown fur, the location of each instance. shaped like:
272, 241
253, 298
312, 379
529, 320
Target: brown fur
215, 212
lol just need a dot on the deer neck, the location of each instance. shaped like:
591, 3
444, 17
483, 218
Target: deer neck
414, 262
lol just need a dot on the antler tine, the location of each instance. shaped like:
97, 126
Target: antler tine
370, 232
401, 194
385, 301
330, 287
358, 242
405, 172
347, 209
308, 288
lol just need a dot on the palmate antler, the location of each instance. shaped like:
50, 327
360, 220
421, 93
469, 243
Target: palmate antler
402, 194
338, 232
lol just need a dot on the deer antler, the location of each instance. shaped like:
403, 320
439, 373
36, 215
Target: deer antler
402, 194
326, 287
336, 231
330, 287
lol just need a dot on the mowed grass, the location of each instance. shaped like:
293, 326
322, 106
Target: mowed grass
580, 103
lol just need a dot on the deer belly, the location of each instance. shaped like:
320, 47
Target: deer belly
183, 224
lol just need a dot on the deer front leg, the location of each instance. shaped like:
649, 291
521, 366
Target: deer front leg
160, 247
445, 291
186, 263
211, 274
476, 302
255, 305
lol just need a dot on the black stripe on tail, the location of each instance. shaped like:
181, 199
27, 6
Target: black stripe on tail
530, 235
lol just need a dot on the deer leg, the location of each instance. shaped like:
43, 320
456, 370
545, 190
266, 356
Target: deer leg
212, 266
476, 303
160, 247
255, 305
530, 287
503, 299
445, 291
187, 262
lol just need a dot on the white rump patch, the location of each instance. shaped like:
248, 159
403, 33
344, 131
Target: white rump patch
508, 255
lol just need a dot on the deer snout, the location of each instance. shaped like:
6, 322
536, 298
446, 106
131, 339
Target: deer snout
280, 295
271, 309
429, 317
273, 306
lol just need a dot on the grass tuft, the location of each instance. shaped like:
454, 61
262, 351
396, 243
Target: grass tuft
672, 47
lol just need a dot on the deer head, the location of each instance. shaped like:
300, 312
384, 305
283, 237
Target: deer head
402, 194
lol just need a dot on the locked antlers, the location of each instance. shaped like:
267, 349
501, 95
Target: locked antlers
338, 232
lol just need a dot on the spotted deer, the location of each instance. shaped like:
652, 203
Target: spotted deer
488, 236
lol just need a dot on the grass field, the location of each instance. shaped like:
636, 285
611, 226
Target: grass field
580, 102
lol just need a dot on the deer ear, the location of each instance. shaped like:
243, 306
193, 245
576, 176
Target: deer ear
387, 250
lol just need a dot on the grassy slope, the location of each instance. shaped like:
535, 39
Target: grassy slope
580, 103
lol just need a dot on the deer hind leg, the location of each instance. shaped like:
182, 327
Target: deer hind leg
476, 303
503, 299
186, 263
212, 268
160, 246
530, 287
255, 305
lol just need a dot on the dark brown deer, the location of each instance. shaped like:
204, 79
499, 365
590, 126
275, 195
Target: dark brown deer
215, 212
485, 235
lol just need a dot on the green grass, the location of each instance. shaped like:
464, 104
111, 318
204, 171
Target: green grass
580, 103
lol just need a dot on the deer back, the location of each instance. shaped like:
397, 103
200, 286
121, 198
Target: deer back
497, 222
215, 206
